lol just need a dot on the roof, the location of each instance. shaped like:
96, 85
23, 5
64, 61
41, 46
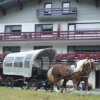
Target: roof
6, 4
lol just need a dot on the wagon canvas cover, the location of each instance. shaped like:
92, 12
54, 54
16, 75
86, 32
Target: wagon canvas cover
21, 63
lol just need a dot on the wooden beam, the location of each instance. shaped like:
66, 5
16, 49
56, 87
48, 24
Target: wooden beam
39, 1
77, 1
97, 3
3, 10
19, 3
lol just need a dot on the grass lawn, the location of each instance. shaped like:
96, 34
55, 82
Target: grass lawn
15, 94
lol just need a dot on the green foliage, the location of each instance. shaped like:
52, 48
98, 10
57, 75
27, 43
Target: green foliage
18, 94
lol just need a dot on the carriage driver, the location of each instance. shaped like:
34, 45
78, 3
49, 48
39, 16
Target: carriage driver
35, 64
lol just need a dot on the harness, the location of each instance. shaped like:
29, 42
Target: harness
70, 73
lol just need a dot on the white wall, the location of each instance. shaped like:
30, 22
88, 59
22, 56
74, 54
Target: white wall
92, 79
15, 15
87, 12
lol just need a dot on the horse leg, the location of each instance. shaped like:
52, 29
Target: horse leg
75, 85
56, 85
86, 86
78, 85
64, 87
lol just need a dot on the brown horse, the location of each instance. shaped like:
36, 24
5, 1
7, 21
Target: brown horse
69, 72
82, 75
56, 73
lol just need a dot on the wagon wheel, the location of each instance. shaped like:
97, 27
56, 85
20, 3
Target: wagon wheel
10, 82
33, 84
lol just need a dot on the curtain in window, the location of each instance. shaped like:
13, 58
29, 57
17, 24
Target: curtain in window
11, 28
17, 27
42, 28
47, 28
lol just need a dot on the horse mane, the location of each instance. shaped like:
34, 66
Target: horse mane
91, 60
80, 65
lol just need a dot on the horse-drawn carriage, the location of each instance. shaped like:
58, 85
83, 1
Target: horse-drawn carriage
27, 69
30, 70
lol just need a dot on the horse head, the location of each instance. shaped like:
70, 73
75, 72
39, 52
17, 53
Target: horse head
88, 66
92, 64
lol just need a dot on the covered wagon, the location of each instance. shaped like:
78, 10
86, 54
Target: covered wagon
28, 66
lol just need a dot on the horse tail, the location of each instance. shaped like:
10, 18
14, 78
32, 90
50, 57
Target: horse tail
49, 75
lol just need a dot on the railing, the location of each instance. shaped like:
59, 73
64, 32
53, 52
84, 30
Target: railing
57, 12
55, 35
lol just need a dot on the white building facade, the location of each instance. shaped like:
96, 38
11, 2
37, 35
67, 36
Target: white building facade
66, 25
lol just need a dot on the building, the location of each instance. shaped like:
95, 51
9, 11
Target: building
66, 25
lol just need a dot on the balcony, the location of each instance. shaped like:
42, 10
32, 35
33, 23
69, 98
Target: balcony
57, 13
49, 36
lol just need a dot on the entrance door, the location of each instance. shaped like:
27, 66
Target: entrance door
98, 79
38, 30
71, 29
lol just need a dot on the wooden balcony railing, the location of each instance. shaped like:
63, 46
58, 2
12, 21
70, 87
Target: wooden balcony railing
57, 13
55, 35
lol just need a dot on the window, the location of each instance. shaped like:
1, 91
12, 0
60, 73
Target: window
48, 28
13, 28
71, 26
71, 29
45, 63
8, 61
48, 7
66, 4
83, 49
18, 62
65, 7
11, 49
41, 47
27, 60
